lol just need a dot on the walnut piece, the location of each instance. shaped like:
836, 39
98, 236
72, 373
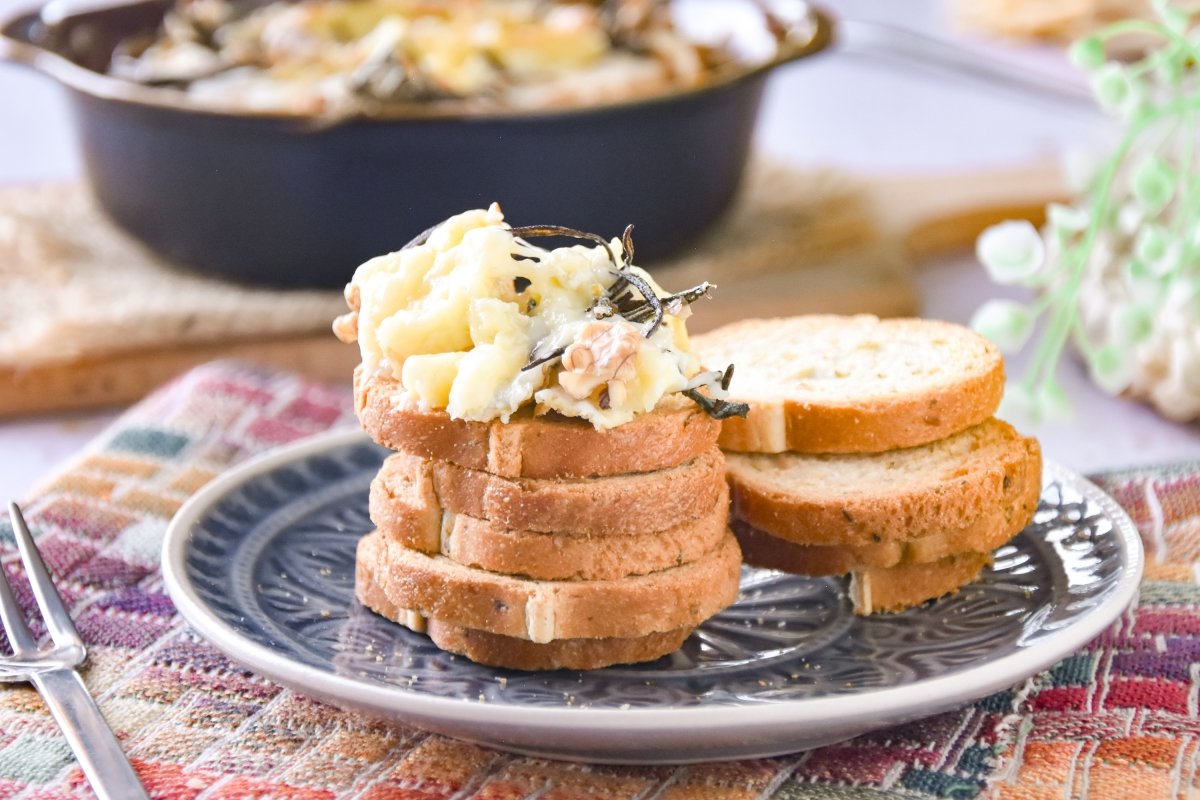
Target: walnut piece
604, 354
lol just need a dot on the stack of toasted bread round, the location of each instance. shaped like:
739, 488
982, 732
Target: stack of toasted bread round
870, 450
543, 542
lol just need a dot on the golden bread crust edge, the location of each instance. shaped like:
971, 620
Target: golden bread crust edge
889, 424
890, 517
891, 589
983, 535
438, 588
512, 653
536, 447
506, 651
565, 557
410, 490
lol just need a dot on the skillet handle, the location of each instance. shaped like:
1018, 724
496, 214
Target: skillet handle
894, 43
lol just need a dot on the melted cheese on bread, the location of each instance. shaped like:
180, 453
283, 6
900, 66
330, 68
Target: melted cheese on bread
458, 318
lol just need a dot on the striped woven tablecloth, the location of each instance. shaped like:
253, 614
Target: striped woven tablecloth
1115, 720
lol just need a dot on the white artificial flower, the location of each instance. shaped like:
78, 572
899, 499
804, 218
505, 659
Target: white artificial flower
1153, 184
1055, 405
1129, 325
1021, 405
1080, 167
1067, 219
1006, 323
1112, 369
1117, 90
1088, 53
1012, 252
1130, 218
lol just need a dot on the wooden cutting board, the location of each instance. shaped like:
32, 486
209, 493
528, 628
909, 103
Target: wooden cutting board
797, 242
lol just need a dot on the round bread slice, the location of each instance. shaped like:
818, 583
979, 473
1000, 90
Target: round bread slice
548, 446
906, 585
410, 492
506, 651
834, 384
438, 588
569, 557
996, 526
864, 499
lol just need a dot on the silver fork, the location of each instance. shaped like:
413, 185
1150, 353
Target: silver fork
52, 672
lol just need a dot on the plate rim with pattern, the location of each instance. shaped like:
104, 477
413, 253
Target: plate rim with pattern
635, 735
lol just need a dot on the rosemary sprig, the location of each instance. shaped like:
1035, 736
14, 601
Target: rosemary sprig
422, 237
686, 297
651, 300
713, 406
620, 297
537, 362
527, 231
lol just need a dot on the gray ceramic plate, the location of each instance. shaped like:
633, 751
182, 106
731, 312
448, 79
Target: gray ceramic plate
261, 562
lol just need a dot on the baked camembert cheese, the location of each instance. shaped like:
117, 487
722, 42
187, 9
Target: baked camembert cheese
473, 318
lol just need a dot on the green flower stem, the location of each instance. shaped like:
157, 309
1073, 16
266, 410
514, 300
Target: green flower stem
1081, 341
1190, 202
1063, 315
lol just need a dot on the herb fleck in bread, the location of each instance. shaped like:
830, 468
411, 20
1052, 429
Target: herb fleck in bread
832, 384
410, 492
549, 446
855, 500
541, 611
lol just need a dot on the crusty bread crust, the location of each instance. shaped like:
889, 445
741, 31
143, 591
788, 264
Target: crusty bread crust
506, 651
438, 588
570, 557
990, 530
847, 500
906, 585
409, 492
858, 418
549, 446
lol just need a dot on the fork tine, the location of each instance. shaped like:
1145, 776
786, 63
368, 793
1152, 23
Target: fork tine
19, 637
58, 621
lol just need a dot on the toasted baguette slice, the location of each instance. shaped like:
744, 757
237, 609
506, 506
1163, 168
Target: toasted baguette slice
506, 651
540, 611
567, 557
409, 493
831, 384
907, 585
863, 499
549, 446
993, 528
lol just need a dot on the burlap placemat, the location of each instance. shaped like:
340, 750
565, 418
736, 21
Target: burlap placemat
90, 317
75, 286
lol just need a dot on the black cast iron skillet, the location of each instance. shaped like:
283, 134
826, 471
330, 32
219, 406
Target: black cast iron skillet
294, 201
